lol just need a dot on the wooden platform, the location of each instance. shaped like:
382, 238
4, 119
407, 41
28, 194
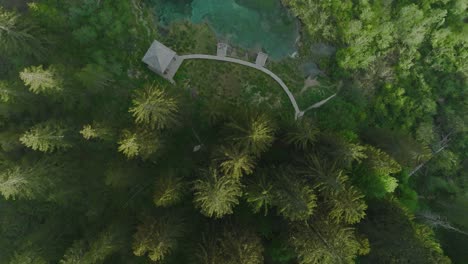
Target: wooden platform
261, 59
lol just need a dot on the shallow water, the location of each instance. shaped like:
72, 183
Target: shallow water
251, 24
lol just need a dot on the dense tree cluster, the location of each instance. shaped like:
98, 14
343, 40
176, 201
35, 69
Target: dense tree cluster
102, 161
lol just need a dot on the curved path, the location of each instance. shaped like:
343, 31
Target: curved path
298, 112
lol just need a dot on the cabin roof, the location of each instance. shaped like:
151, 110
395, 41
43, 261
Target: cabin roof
158, 56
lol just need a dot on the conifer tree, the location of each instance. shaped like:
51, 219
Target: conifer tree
295, 199
241, 246
95, 131
209, 250
325, 242
153, 107
260, 193
40, 80
158, 237
169, 189
256, 134
140, 143
347, 205
46, 137
109, 241
94, 77
303, 134
235, 162
326, 175
27, 257
19, 182
106, 243
374, 175
216, 195
75, 254
9, 92
15, 35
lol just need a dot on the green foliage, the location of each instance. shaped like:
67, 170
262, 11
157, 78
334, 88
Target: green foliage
16, 35
106, 243
216, 195
95, 131
241, 247
235, 162
324, 242
20, 183
260, 193
40, 80
158, 237
255, 135
303, 135
94, 77
347, 205
208, 251
388, 222
374, 175
153, 107
46, 137
277, 190
169, 189
140, 143
295, 199
27, 258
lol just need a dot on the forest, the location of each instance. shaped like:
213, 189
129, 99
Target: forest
103, 161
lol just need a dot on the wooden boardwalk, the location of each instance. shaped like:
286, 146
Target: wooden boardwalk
166, 63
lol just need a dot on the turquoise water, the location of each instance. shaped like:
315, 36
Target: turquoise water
251, 24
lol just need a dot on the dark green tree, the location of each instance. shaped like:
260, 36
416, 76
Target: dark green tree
158, 237
235, 162
16, 35
241, 246
155, 108
255, 134
325, 242
294, 198
215, 194
139, 143
169, 189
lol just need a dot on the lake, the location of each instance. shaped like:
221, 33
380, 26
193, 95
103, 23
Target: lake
251, 24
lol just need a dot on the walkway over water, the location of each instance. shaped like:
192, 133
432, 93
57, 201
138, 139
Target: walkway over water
166, 63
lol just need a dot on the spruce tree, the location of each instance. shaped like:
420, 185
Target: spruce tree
46, 137
241, 246
235, 162
347, 205
19, 182
325, 242
208, 250
94, 77
27, 257
254, 134
260, 192
303, 134
95, 131
294, 198
140, 143
158, 237
169, 189
98, 249
31, 179
216, 195
16, 35
155, 108
40, 80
